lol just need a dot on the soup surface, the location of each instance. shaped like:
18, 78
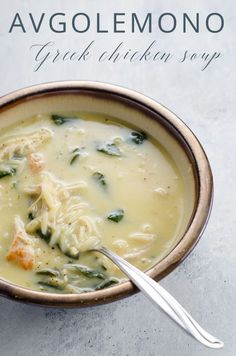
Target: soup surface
69, 182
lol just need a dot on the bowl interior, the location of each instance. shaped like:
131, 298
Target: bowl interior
131, 112
127, 112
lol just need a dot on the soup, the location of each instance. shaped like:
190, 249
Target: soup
72, 181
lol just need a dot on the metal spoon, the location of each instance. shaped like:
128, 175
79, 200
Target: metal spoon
159, 296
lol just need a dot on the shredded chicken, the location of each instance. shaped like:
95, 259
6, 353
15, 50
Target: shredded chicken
21, 250
57, 209
23, 145
36, 162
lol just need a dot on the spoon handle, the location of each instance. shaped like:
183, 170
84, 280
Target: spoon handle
159, 296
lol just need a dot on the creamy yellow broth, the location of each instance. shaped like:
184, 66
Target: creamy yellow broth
131, 201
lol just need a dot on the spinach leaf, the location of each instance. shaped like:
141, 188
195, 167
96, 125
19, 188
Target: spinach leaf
46, 237
31, 216
87, 272
116, 215
54, 283
49, 272
107, 283
138, 137
109, 149
76, 154
59, 119
100, 178
8, 171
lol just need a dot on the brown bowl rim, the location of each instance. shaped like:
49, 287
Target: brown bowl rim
203, 179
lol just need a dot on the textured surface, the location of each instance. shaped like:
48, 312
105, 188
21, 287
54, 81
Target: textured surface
205, 282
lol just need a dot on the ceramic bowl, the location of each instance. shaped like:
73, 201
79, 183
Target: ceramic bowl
148, 115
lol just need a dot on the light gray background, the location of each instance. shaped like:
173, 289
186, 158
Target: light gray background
205, 282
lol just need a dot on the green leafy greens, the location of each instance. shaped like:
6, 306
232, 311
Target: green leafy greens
100, 178
86, 271
7, 171
76, 154
59, 119
110, 149
138, 137
116, 215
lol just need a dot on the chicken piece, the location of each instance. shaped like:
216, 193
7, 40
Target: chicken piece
21, 250
36, 162
23, 145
